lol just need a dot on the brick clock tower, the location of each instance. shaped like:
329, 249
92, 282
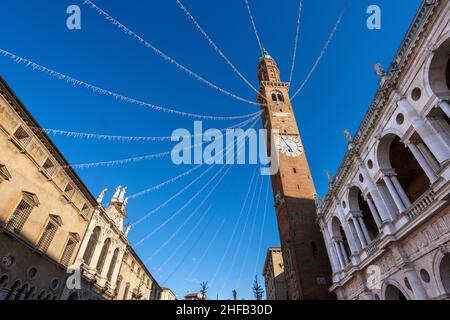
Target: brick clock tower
306, 265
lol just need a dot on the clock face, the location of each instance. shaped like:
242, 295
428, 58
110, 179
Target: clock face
289, 146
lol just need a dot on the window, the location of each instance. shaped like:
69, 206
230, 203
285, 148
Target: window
127, 289
47, 236
68, 252
22, 212
88, 253
103, 254
70, 190
22, 136
277, 97
113, 264
4, 173
85, 210
132, 266
32, 273
119, 282
49, 167
314, 248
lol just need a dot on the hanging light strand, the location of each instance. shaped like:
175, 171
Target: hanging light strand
89, 135
132, 34
294, 55
98, 90
253, 24
323, 51
215, 47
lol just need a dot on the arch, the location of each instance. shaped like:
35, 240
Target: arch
112, 265
13, 290
444, 273
358, 204
438, 72
277, 97
394, 156
22, 292
338, 232
392, 292
4, 280
92, 243
30, 293
103, 254
73, 296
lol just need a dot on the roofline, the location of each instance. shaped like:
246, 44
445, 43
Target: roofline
45, 139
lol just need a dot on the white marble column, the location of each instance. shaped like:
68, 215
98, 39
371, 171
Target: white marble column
416, 285
97, 252
117, 267
352, 227
359, 231
445, 107
332, 254
422, 162
432, 139
393, 192
374, 211
344, 253
364, 229
400, 191
345, 227
339, 253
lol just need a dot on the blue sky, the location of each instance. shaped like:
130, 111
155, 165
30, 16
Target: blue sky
336, 98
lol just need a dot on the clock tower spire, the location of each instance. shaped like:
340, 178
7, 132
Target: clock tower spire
307, 269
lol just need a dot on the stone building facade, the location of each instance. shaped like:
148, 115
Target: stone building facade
386, 216
273, 274
51, 224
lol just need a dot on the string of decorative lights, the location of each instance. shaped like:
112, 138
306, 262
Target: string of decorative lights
235, 228
88, 135
254, 25
324, 49
294, 55
173, 234
252, 231
216, 48
146, 216
262, 228
95, 89
135, 36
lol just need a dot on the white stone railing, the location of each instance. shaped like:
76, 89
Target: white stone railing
373, 246
420, 205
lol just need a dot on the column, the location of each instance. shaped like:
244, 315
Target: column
423, 162
97, 251
374, 211
393, 192
400, 191
377, 198
359, 232
108, 260
416, 285
332, 254
350, 237
117, 267
428, 156
364, 229
445, 107
339, 253
344, 253
353, 231
426, 132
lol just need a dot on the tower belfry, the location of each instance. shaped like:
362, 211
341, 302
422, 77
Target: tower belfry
307, 269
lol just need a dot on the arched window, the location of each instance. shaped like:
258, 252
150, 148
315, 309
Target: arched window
113, 264
277, 97
22, 212
393, 293
444, 270
73, 296
103, 254
92, 243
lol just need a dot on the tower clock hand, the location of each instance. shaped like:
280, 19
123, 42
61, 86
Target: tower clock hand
290, 149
